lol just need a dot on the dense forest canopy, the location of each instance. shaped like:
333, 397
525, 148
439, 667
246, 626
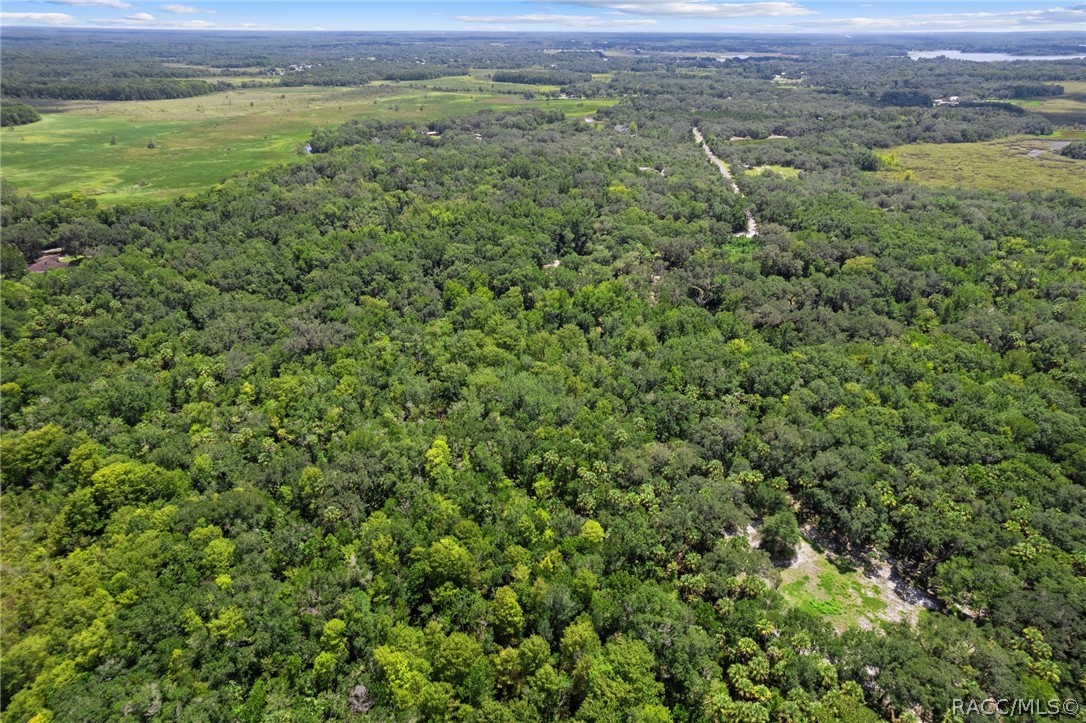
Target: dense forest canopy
502, 418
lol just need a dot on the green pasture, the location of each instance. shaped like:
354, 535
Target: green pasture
200, 141
1066, 109
1017, 163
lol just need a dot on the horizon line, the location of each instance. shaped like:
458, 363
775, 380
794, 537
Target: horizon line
853, 32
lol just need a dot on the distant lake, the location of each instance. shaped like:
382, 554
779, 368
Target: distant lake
984, 57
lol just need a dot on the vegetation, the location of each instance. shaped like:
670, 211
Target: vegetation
846, 598
17, 114
201, 141
783, 171
473, 418
1066, 108
539, 77
1017, 163
780, 535
1075, 149
128, 89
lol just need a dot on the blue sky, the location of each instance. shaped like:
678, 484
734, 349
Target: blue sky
706, 16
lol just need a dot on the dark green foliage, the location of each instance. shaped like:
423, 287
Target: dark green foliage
1075, 149
867, 161
17, 114
12, 261
127, 89
780, 535
1030, 90
539, 77
906, 98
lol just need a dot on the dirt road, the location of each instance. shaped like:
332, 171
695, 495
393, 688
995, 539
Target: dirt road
752, 225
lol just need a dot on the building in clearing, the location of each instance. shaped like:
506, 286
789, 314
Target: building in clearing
47, 262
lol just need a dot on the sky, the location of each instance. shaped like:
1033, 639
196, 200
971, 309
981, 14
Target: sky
663, 16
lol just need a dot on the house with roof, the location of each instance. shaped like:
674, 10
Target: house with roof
47, 262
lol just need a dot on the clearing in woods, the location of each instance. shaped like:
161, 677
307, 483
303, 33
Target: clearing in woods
201, 141
846, 592
830, 586
782, 171
1017, 163
1068, 108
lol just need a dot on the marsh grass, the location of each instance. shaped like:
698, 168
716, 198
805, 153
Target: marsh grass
1017, 163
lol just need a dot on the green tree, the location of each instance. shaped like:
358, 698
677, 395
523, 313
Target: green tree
450, 562
229, 625
592, 532
780, 535
324, 668
506, 613
33, 455
456, 655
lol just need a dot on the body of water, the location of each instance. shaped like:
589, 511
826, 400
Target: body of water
984, 57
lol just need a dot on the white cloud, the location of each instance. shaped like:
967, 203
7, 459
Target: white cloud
145, 20
115, 4
1057, 18
570, 21
40, 18
697, 8
142, 20
192, 24
182, 9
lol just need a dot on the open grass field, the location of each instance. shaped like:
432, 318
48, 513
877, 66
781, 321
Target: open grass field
1017, 163
1066, 109
200, 141
783, 171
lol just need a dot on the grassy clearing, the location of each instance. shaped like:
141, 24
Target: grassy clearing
790, 83
754, 141
200, 141
842, 595
1018, 163
784, 171
1065, 109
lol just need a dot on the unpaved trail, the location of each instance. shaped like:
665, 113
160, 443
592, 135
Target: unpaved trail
752, 226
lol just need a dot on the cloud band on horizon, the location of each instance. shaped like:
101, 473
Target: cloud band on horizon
696, 8
572, 21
